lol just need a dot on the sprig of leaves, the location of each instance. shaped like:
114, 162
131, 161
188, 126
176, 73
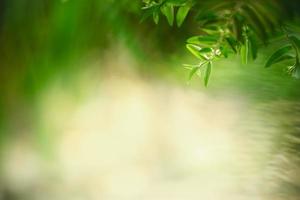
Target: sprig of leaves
229, 27
168, 8
204, 67
286, 53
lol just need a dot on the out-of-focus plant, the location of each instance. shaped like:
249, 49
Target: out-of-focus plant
231, 27
290, 51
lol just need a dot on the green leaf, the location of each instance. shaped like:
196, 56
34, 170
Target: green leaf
232, 43
181, 14
295, 43
156, 17
205, 50
285, 58
194, 49
237, 27
203, 40
206, 17
292, 27
296, 73
193, 71
224, 51
238, 24
189, 66
256, 22
207, 73
294, 70
253, 47
176, 2
277, 55
149, 11
245, 52
211, 29
168, 11
270, 19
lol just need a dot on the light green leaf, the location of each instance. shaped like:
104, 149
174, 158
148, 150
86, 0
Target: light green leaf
277, 55
224, 51
156, 17
194, 49
168, 11
193, 71
203, 40
189, 66
181, 14
207, 73
245, 52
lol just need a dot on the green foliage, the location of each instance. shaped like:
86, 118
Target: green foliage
167, 8
278, 55
168, 11
289, 52
231, 27
193, 71
182, 14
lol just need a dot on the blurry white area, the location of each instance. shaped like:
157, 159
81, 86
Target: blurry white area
128, 138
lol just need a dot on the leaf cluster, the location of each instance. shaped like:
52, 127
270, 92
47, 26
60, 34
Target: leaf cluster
289, 52
171, 9
230, 27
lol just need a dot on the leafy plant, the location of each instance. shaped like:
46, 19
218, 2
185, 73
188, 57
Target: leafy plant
167, 8
230, 27
289, 52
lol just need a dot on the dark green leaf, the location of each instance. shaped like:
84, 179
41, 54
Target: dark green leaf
232, 43
269, 14
285, 58
294, 70
296, 73
211, 30
238, 24
253, 47
149, 11
207, 16
277, 55
291, 27
205, 50
296, 44
256, 22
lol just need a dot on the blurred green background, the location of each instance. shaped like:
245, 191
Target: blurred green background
72, 49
